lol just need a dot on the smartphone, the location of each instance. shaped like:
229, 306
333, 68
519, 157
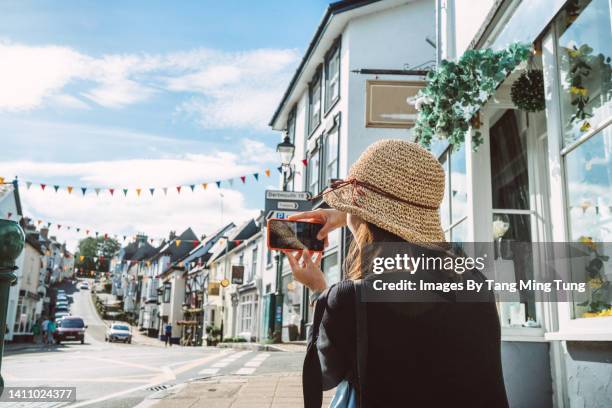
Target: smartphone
294, 235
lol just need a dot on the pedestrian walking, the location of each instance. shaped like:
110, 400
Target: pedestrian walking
45, 330
168, 334
390, 354
36, 329
51, 328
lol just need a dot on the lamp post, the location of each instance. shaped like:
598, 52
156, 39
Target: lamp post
12, 241
285, 149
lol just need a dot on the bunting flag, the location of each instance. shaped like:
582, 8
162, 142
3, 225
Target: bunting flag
237, 241
280, 169
196, 243
9, 215
305, 162
111, 190
81, 258
178, 243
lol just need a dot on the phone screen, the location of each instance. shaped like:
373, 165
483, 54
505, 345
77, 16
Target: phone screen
294, 235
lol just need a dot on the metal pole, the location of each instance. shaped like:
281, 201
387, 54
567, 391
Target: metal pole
12, 241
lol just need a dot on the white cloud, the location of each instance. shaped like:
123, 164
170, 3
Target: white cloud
221, 89
126, 215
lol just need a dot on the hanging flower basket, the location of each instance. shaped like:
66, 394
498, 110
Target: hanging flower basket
528, 91
455, 92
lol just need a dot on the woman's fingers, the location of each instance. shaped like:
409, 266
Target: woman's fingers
314, 215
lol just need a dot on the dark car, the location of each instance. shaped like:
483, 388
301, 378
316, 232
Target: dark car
70, 328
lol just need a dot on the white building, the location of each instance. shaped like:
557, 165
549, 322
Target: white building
10, 208
350, 90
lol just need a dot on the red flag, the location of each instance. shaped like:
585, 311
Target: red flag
105, 236
111, 190
86, 232
10, 214
237, 241
43, 186
243, 178
59, 226
305, 162
195, 243
178, 188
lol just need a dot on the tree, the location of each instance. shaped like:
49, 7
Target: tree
94, 254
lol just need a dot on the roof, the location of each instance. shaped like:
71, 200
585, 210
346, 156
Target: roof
178, 247
243, 232
333, 9
12, 187
203, 250
34, 242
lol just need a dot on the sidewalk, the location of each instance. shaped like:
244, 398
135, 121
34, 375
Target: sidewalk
283, 390
295, 347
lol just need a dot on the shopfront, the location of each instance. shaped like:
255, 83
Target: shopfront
542, 177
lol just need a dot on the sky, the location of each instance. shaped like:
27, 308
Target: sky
145, 94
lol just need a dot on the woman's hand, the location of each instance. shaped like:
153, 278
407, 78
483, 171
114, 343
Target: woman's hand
306, 270
330, 218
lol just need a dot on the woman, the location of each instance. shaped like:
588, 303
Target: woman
382, 354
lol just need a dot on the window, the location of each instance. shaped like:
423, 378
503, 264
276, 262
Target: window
331, 154
247, 311
167, 291
291, 125
314, 103
453, 209
512, 216
332, 76
268, 258
313, 172
253, 264
584, 53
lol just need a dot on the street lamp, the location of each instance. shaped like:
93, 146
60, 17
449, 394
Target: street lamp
285, 150
12, 241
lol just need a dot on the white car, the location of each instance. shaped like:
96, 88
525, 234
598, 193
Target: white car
59, 315
119, 332
84, 285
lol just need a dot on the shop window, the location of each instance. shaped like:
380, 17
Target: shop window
314, 102
512, 217
584, 53
332, 76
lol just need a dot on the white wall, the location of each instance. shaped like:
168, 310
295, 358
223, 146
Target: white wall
469, 17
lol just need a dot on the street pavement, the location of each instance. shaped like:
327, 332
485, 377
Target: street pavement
124, 375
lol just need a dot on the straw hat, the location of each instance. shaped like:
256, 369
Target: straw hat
397, 186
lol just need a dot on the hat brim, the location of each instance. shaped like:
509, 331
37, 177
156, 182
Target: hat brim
412, 223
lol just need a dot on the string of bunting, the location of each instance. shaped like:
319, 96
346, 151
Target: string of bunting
83, 190
89, 231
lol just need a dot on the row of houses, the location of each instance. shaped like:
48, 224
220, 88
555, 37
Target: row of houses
44, 263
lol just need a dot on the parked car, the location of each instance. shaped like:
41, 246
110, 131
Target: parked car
61, 292
62, 308
60, 315
70, 328
61, 298
119, 332
84, 286
62, 303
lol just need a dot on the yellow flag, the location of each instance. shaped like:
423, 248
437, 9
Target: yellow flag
178, 242
69, 188
204, 185
267, 172
138, 190
1, 180
81, 258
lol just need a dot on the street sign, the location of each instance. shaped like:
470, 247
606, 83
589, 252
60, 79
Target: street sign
287, 201
281, 215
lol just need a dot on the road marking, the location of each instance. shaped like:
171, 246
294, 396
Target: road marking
251, 365
246, 371
209, 371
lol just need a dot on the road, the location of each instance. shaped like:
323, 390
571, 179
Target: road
123, 375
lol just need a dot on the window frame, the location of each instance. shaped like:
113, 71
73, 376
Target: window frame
316, 80
331, 53
324, 150
317, 149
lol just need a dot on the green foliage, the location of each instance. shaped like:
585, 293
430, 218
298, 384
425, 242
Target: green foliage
91, 248
528, 91
455, 92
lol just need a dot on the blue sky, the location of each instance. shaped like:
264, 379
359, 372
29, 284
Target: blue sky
145, 94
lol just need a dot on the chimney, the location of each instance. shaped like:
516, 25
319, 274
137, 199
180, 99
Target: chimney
45, 233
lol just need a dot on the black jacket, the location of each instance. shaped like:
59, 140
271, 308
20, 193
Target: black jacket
414, 355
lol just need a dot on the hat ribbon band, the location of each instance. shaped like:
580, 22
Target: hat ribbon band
358, 189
